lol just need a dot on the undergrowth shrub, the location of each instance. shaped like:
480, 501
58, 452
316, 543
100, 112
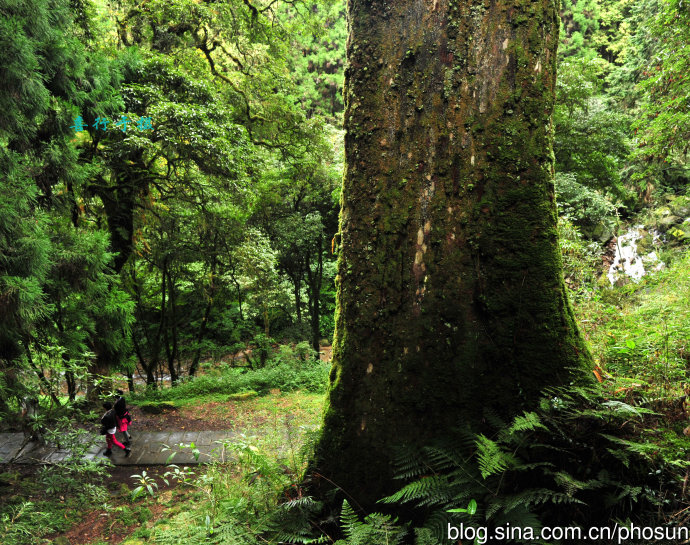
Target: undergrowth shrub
574, 461
234, 496
587, 207
309, 375
581, 259
642, 331
51, 500
577, 460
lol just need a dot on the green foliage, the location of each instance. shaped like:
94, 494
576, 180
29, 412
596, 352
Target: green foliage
50, 500
581, 259
18, 523
591, 144
582, 205
233, 501
321, 64
565, 463
145, 485
579, 20
665, 123
376, 529
641, 331
288, 372
24, 262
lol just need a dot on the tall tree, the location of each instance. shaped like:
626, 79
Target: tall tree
450, 296
51, 260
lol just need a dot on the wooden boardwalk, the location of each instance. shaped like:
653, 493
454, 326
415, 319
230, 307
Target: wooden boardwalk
148, 448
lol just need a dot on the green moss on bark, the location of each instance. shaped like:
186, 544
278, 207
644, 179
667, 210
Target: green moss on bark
450, 296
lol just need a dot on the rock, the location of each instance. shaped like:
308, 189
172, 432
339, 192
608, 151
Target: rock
665, 223
682, 211
680, 206
645, 244
602, 232
679, 233
157, 407
242, 395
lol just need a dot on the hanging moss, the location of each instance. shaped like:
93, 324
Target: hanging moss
450, 296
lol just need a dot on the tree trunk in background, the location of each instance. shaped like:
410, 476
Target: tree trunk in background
450, 295
315, 279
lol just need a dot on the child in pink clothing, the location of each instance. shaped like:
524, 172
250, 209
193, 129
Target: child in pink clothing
109, 427
123, 417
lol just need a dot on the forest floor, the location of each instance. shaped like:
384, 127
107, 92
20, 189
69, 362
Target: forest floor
264, 422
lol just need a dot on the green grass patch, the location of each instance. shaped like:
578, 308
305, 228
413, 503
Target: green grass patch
640, 333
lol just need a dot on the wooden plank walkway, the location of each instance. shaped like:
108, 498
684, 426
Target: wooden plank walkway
148, 448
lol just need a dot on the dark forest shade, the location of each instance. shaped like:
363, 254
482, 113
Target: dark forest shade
450, 295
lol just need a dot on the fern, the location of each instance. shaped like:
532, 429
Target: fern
290, 522
426, 490
376, 529
536, 470
526, 422
491, 458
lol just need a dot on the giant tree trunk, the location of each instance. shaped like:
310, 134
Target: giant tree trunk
450, 295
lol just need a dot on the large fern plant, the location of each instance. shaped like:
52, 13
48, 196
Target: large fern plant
564, 464
572, 461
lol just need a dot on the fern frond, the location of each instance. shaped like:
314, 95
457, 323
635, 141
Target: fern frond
529, 421
491, 458
571, 485
537, 496
424, 489
349, 519
493, 418
441, 459
409, 463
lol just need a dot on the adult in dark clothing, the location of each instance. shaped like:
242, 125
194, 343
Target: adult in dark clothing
123, 417
109, 427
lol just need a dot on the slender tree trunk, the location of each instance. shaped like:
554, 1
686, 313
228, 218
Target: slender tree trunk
148, 368
171, 346
449, 290
47, 388
71, 385
200, 336
315, 279
297, 284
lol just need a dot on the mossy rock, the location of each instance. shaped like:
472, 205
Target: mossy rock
61, 540
645, 244
241, 396
661, 212
680, 207
157, 407
665, 223
602, 232
680, 233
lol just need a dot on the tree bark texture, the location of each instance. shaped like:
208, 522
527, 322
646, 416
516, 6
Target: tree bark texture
450, 294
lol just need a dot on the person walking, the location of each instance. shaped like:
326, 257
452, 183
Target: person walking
108, 428
123, 417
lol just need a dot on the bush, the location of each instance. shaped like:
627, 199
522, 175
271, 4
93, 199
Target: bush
581, 260
585, 207
287, 373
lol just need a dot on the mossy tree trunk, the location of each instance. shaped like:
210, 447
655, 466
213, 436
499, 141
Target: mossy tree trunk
450, 295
